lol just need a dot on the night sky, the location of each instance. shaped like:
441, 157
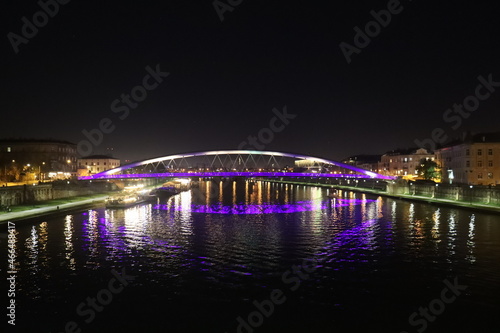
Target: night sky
227, 76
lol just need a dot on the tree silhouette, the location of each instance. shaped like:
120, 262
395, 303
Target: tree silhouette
429, 170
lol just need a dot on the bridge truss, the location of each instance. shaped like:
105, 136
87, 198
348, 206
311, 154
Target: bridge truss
235, 163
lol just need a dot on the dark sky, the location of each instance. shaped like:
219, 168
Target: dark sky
226, 77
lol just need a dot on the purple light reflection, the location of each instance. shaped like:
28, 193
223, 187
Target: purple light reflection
265, 208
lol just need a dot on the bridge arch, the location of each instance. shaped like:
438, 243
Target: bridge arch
218, 153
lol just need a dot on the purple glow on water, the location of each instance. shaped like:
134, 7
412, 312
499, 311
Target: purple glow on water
264, 208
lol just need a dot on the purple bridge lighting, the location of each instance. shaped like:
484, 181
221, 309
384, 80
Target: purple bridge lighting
235, 163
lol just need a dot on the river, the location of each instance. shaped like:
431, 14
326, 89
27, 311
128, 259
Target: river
248, 256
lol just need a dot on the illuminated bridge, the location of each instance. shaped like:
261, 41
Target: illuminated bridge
236, 163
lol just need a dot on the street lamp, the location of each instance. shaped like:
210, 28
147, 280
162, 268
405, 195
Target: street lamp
470, 197
40, 172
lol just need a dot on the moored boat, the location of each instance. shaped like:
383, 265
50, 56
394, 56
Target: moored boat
127, 200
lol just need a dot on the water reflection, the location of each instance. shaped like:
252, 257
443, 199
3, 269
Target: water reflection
452, 236
435, 226
31, 246
471, 243
68, 243
242, 235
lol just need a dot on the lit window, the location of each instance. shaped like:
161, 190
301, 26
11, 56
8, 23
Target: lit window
9, 149
490, 175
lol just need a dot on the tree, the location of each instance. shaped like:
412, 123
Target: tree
429, 170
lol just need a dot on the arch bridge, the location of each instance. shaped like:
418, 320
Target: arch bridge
236, 163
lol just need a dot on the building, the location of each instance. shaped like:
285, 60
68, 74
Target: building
34, 159
96, 163
404, 162
474, 160
366, 162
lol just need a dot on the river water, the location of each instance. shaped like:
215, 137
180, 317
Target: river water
260, 257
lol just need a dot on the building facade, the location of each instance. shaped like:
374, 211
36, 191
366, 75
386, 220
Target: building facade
31, 159
93, 164
404, 163
475, 160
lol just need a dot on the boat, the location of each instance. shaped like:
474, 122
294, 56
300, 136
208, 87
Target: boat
174, 187
128, 199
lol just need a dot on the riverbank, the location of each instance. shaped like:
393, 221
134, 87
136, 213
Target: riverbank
56, 206
412, 197
51, 207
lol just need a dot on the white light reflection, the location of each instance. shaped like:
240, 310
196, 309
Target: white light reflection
435, 224
452, 236
31, 246
68, 242
411, 213
42, 248
471, 244
92, 233
380, 206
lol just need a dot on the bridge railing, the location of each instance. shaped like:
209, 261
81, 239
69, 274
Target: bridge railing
228, 174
